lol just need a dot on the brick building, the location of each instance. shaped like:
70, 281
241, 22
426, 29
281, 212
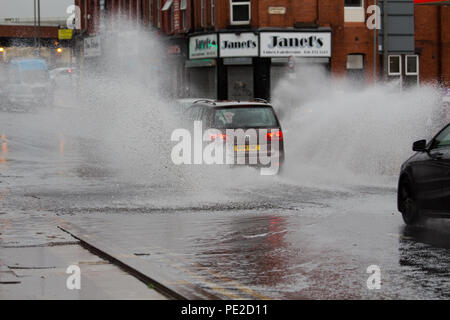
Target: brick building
432, 37
334, 32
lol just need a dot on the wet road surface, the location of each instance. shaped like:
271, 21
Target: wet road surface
231, 232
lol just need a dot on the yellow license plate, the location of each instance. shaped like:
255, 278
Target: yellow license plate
247, 148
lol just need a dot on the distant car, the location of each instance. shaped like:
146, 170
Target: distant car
261, 129
28, 82
64, 76
424, 184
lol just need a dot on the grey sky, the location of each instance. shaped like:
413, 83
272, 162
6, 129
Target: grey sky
24, 8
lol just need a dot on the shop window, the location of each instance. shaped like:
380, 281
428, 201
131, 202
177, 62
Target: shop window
355, 67
354, 11
240, 12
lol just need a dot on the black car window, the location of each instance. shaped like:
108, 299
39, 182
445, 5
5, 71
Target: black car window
245, 117
442, 140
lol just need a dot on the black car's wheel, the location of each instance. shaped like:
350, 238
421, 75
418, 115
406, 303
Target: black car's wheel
408, 205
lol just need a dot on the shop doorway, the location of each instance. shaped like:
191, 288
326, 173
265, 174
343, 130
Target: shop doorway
240, 82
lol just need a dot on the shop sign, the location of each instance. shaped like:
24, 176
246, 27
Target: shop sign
92, 47
297, 44
239, 45
204, 46
65, 34
277, 10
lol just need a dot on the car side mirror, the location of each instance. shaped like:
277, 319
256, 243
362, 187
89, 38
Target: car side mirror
420, 146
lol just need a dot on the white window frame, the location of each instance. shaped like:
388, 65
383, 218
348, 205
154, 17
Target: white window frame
417, 65
400, 66
355, 14
243, 2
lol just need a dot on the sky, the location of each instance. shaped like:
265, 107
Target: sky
24, 8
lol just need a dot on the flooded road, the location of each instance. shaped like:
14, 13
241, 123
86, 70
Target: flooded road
233, 233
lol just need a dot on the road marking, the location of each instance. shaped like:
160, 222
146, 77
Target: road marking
221, 277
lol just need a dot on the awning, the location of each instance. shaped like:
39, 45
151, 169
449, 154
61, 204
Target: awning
183, 5
167, 5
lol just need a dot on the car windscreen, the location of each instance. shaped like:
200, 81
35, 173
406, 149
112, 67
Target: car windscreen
245, 117
34, 76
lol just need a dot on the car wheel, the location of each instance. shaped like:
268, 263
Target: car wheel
409, 209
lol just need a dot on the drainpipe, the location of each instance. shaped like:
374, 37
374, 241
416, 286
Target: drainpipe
439, 44
385, 39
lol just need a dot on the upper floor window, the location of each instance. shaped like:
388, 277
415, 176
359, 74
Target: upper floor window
202, 13
212, 12
183, 8
158, 13
354, 11
354, 3
240, 12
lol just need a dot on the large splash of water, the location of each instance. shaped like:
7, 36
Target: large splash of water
335, 132
340, 131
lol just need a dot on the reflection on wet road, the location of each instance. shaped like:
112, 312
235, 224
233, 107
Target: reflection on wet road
236, 235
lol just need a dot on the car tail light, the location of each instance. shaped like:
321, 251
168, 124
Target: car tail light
275, 136
221, 136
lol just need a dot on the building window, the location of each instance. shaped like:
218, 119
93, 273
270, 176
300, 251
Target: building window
202, 13
240, 12
158, 13
125, 7
354, 3
412, 65
150, 11
355, 67
213, 7
354, 11
412, 70
183, 8
172, 20
168, 7
394, 65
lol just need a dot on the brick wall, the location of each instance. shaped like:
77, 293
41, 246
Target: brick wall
432, 26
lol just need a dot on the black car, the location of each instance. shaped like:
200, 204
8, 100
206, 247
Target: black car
424, 185
256, 116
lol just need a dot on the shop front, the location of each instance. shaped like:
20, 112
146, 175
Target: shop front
245, 65
295, 51
201, 68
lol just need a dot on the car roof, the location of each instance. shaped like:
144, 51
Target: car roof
230, 103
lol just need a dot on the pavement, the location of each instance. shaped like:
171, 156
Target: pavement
35, 257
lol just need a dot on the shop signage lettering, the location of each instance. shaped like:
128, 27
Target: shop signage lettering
297, 44
239, 45
204, 46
